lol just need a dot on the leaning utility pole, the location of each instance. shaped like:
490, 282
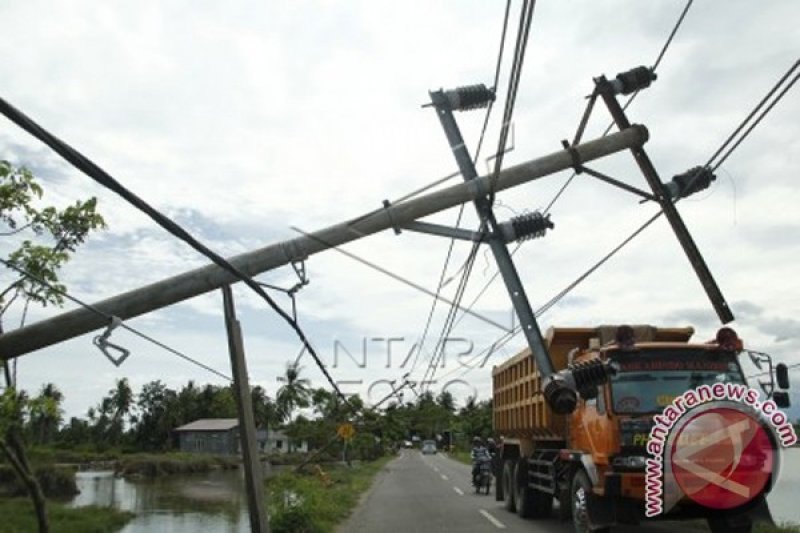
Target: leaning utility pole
253, 475
392, 216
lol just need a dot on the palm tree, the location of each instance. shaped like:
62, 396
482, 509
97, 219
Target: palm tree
294, 393
265, 410
46, 413
120, 401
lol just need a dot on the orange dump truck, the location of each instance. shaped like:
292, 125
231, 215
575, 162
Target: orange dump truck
593, 460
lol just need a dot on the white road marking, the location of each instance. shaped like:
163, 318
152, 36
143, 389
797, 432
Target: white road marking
497, 523
444, 477
458, 491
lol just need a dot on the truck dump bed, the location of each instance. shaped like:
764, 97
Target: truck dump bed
520, 409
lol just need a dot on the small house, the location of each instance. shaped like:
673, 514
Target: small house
213, 435
278, 442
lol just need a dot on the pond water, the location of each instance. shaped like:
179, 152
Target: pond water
213, 501
216, 501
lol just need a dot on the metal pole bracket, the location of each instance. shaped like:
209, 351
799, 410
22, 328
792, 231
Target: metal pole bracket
101, 341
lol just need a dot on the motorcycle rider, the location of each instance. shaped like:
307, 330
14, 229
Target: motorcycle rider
478, 454
491, 446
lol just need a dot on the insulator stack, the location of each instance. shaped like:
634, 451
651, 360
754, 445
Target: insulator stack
693, 180
469, 97
633, 80
589, 374
531, 226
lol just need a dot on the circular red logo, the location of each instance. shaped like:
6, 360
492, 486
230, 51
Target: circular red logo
722, 458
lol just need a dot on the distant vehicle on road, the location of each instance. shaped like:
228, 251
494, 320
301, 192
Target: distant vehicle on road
407, 444
428, 447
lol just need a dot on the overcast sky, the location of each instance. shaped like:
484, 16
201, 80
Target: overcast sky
241, 119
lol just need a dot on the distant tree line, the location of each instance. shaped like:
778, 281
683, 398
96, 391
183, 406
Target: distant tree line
144, 420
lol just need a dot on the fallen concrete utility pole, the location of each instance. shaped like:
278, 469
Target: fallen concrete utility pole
202, 280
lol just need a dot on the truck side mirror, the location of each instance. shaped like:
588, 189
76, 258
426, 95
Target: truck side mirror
782, 375
781, 399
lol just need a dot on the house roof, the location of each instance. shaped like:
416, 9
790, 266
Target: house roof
210, 424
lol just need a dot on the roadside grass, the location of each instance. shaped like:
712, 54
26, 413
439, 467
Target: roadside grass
18, 515
156, 465
51, 454
461, 456
314, 503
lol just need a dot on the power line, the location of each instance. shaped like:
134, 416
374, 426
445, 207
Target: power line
630, 99
671, 36
456, 301
710, 161
447, 328
505, 338
89, 168
394, 276
523, 31
608, 129
97, 311
555, 299
639, 230
752, 113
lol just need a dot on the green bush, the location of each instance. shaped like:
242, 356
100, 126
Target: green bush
56, 482
150, 466
293, 519
327, 504
18, 515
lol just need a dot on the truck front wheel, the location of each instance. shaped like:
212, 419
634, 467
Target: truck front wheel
581, 489
508, 486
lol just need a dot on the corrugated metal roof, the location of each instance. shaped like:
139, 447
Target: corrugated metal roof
210, 424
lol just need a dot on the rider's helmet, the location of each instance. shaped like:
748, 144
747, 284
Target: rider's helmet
476, 441
490, 441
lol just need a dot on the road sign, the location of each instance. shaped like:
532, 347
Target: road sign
346, 431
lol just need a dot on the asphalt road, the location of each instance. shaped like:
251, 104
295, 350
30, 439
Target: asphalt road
429, 493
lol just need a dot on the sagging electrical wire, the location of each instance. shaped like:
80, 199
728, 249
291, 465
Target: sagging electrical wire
710, 164
108, 317
99, 175
749, 117
630, 99
440, 284
447, 328
523, 32
561, 190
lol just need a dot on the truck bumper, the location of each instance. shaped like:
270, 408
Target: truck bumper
623, 503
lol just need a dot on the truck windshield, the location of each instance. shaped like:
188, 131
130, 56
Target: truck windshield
648, 380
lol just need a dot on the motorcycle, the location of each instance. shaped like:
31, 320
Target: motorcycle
483, 478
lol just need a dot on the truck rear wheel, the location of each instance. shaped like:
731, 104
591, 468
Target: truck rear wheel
531, 503
508, 486
581, 488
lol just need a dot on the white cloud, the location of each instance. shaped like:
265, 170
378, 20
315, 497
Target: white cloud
243, 119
